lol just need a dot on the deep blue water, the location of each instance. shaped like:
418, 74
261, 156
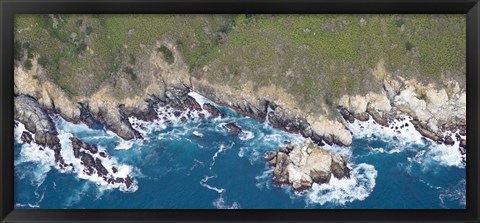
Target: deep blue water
176, 169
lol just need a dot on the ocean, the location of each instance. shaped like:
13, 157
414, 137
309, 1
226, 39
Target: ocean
198, 164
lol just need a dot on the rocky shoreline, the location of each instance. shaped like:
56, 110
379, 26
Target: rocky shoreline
41, 130
435, 109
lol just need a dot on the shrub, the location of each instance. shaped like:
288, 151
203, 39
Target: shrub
79, 22
167, 54
408, 46
131, 59
28, 64
399, 22
88, 30
81, 47
129, 71
17, 51
43, 61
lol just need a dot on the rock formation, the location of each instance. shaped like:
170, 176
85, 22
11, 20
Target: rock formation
303, 165
233, 128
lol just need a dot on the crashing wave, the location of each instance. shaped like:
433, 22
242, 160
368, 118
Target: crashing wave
402, 133
341, 191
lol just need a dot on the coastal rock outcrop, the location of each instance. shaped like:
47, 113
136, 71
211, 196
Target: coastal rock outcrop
36, 120
283, 115
303, 165
94, 165
233, 128
215, 112
434, 109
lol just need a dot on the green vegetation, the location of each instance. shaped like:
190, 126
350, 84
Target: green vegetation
18, 53
167, 54
28, 64
399, 22
130, 72
408, 46
43, 61
315, 58
88, 30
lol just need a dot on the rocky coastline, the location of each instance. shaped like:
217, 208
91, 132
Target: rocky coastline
41, 130
438, 111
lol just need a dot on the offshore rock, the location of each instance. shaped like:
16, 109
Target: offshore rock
85, 151
233, 128
305, 165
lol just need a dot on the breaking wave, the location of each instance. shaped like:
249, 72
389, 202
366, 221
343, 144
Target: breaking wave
341, 191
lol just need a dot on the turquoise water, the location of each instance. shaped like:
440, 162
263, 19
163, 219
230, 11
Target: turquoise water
198, 164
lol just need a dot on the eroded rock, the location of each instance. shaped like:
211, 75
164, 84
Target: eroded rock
305, 165
214, 111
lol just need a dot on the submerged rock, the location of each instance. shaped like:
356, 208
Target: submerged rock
305, 165
233, 128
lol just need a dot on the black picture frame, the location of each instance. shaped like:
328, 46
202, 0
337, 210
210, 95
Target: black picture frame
471, 8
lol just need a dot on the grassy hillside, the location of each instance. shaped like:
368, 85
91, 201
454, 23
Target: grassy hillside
315, 58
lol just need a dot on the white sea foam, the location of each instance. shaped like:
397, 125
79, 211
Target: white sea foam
430, 185
221, 149
165, 117
20, 205
77, 194
124, 145
203, 182
122, 170
456, 194
342, 150
18, 130
439, 154
381, 150
403, 130
45, 158
197, 133
32, 152
442, 154
220, 203
246, 135
445, 155
340, 191
199, 98
264, 180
